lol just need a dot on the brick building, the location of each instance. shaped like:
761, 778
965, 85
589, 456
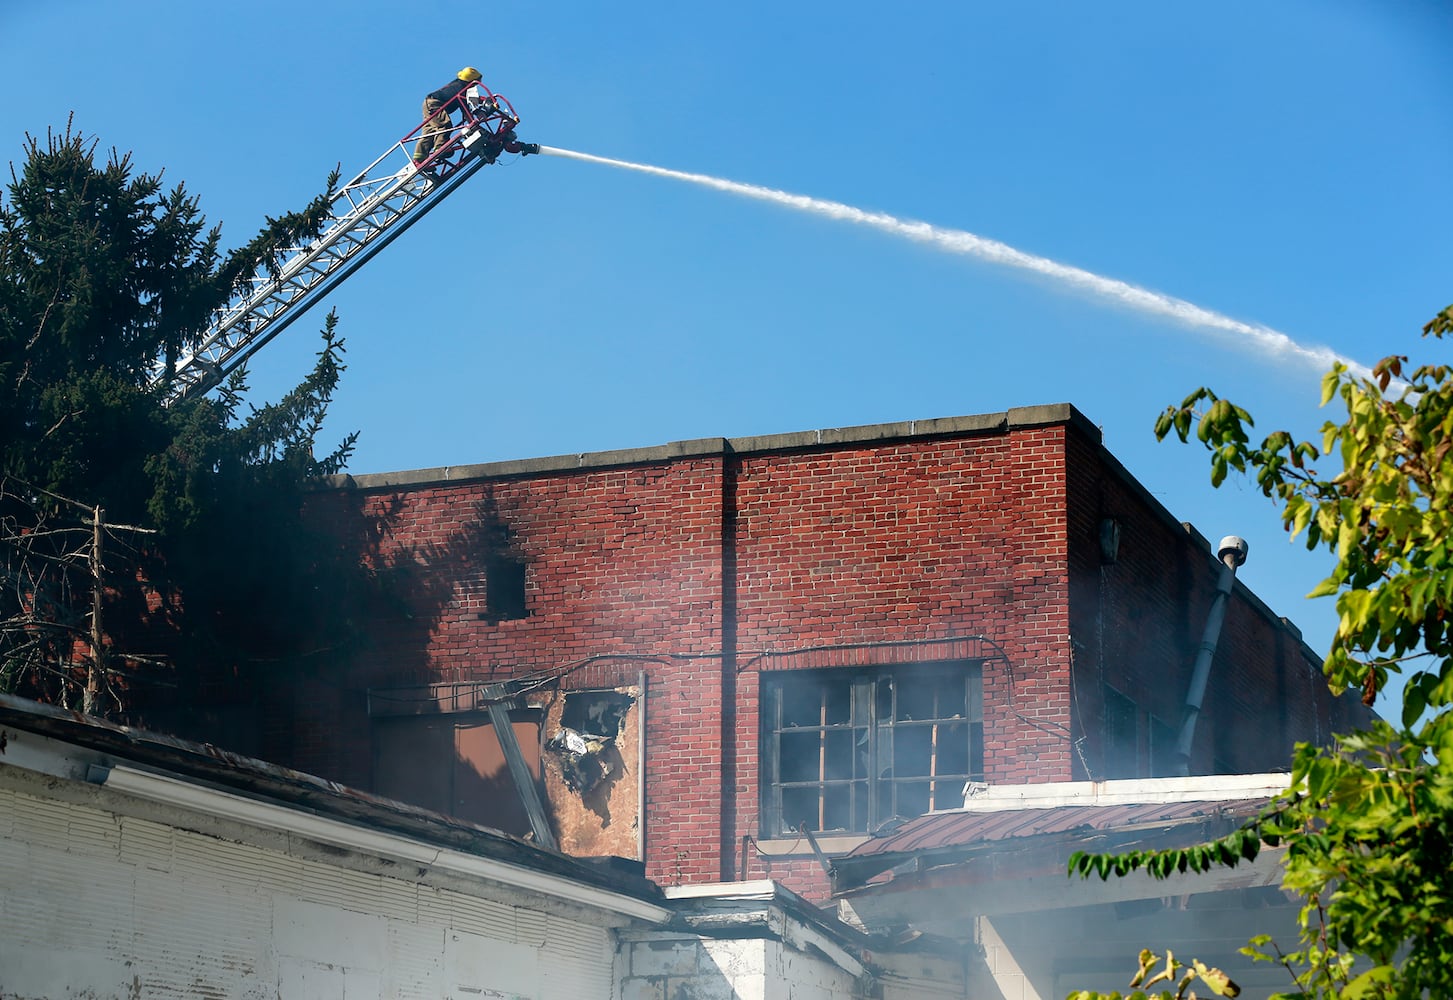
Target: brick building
710, 647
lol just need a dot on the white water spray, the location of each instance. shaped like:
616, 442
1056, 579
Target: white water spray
1272, 343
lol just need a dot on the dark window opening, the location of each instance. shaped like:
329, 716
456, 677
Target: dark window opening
1164, 762
1122, 736
504, 589
1138, 744
596, 713
850, 750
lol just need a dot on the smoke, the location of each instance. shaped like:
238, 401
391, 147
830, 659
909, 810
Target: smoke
1273, 344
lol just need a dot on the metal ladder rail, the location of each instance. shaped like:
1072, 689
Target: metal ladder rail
249, 312
379, 208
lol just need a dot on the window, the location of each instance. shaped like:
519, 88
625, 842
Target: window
504, 589
850, 750
1128, 730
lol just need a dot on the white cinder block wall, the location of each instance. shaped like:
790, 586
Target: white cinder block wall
98, 905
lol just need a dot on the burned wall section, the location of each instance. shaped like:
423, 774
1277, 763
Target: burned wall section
682, 576
593, 771
621, 561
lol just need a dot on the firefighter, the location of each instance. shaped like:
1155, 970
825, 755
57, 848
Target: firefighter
436, 119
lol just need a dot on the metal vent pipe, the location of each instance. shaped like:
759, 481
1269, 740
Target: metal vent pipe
1232, 553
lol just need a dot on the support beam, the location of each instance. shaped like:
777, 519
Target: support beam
499, 716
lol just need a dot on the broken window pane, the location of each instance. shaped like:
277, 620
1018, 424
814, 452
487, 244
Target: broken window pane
951, 698
916, 701
948, 794
801, 756
913, 750
884, 705
801, 705
837, 808
912, 798
838, 757
799, 809
833, 775
953, 749
838, 705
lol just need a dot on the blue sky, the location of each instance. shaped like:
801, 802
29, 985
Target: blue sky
1283, 164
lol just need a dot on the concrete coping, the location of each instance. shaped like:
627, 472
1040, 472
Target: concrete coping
983, 797
1016, 418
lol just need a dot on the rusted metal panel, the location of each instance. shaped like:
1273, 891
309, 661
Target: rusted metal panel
402, 751
981, 846
455, 764
485, 789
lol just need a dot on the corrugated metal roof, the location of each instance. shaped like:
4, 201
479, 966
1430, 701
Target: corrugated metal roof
964, 829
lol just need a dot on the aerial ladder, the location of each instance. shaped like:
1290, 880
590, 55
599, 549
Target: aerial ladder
366, 215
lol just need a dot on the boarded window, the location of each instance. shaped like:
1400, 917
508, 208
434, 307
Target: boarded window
850, 750
453, 764
593, 771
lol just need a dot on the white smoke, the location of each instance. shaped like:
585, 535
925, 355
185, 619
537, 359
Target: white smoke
1272, 343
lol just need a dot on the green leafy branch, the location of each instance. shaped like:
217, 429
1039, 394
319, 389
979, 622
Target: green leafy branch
1178, 977
1367, 824
1387, 516
1242, 844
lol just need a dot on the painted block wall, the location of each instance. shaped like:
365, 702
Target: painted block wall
97, 904
668, 967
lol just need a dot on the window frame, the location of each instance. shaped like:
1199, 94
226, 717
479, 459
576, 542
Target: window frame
867, 720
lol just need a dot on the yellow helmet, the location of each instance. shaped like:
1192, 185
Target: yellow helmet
469, 75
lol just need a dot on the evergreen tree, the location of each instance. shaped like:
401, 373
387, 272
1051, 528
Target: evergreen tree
105, 278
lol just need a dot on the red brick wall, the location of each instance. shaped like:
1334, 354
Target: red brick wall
701, 566
621, 562
903, 542
1139, 621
